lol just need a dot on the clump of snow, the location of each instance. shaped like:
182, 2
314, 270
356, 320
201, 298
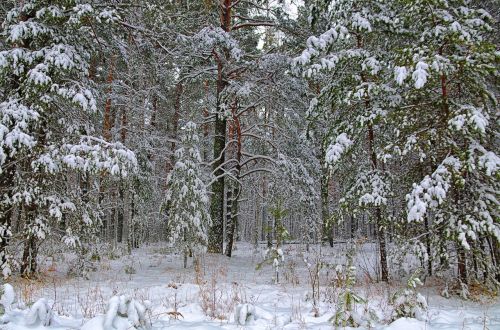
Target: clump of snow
490, 162
432, 190
213, 37
420, 74
338, 148
400, 74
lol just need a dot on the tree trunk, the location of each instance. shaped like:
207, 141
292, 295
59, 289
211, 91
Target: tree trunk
231, 231
229, 222
378, 213
29, 263
461, 264
484, 260
325, 214
494, 247
428, 245
121, 215
126, 220
107, 122
257, 228
107, 125
353, 226
382, 247
496, 244
216, 232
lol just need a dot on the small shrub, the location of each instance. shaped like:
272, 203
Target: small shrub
129, 269
408, 302
218, 298
345, 313
351, 309
82, 266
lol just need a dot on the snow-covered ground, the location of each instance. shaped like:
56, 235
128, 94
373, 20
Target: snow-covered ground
222, 293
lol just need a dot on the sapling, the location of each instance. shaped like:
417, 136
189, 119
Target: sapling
187, 202
408, 302
279, 213
346, 313
275, 257
314, 267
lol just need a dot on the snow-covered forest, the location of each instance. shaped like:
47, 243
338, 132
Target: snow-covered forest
249, 164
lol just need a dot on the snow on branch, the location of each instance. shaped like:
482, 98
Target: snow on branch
432, 190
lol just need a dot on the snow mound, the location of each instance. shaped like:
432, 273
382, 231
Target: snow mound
124, 313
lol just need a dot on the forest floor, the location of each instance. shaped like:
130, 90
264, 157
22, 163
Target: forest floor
207, 298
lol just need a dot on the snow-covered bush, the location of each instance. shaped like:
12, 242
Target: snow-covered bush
126, 307
124, 313
244, 314
7, 298
39, 316
408, 302
247, 314
464, 291
40, 313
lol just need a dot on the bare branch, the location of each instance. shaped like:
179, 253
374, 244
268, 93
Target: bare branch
252, 24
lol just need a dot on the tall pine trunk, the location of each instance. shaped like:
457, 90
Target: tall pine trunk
216, 232
378, 213
461, 264
107, 125
325, 214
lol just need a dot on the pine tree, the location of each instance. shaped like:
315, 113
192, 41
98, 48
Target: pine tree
187, 201
47, 137
351, 55
446, 69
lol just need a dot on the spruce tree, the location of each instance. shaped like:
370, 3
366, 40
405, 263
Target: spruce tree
187, 200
